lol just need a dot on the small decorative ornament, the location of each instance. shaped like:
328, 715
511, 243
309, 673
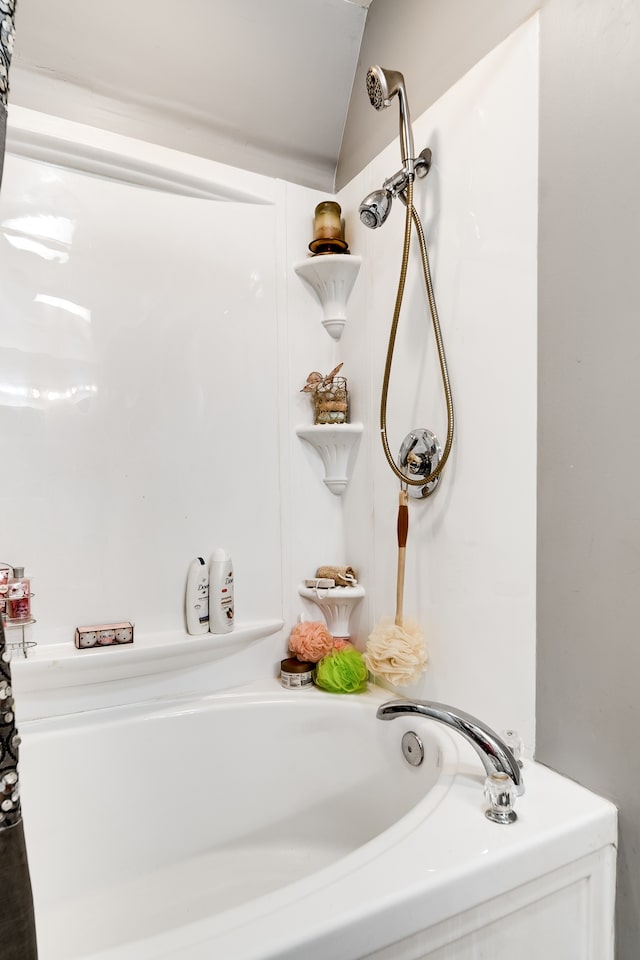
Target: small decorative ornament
104, 635
330, 396
315, 379
342, 671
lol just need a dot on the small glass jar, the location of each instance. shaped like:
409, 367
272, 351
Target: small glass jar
331, 401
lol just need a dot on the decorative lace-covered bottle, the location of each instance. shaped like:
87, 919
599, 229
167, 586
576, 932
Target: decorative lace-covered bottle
18, 597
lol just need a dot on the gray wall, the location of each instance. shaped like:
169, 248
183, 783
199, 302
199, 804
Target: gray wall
588, 673
433, 43
588, 670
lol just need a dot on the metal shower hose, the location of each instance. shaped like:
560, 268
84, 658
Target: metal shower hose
412, 214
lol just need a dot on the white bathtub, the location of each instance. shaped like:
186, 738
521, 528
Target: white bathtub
266, 823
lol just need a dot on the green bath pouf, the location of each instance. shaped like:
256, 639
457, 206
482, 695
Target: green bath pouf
342, 671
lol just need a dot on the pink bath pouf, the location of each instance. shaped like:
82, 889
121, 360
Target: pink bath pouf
341, 643
310, 641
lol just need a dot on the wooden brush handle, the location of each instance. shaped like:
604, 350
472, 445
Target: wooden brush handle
403, 519
403, 531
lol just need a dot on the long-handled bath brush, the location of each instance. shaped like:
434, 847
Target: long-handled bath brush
403, 532
396, 650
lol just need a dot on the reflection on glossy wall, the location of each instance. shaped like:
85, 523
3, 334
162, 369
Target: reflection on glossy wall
137, 345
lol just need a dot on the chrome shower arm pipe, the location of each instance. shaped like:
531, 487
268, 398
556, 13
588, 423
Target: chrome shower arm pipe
495, 755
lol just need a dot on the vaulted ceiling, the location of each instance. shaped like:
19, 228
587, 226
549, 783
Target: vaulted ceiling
260, 84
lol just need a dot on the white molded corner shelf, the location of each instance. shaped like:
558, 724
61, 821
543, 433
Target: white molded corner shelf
337, 605
337, 444
331, 278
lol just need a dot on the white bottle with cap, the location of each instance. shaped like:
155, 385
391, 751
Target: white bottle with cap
221, 605
196, 606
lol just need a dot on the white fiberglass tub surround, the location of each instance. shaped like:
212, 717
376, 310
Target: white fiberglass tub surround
266, 823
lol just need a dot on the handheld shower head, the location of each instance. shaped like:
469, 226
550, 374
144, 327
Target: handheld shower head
382, 87
375, 208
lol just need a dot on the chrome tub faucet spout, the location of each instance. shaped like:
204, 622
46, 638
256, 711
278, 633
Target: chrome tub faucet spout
495, 755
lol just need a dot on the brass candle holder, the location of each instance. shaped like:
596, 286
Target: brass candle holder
328, 230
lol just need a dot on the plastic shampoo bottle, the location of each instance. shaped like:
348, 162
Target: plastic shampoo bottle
221, 605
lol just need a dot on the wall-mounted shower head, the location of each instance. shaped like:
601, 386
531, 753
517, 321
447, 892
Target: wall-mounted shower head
382, 87
375, 208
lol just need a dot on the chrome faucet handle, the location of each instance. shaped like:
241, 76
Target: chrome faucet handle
500, 792
515, 743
